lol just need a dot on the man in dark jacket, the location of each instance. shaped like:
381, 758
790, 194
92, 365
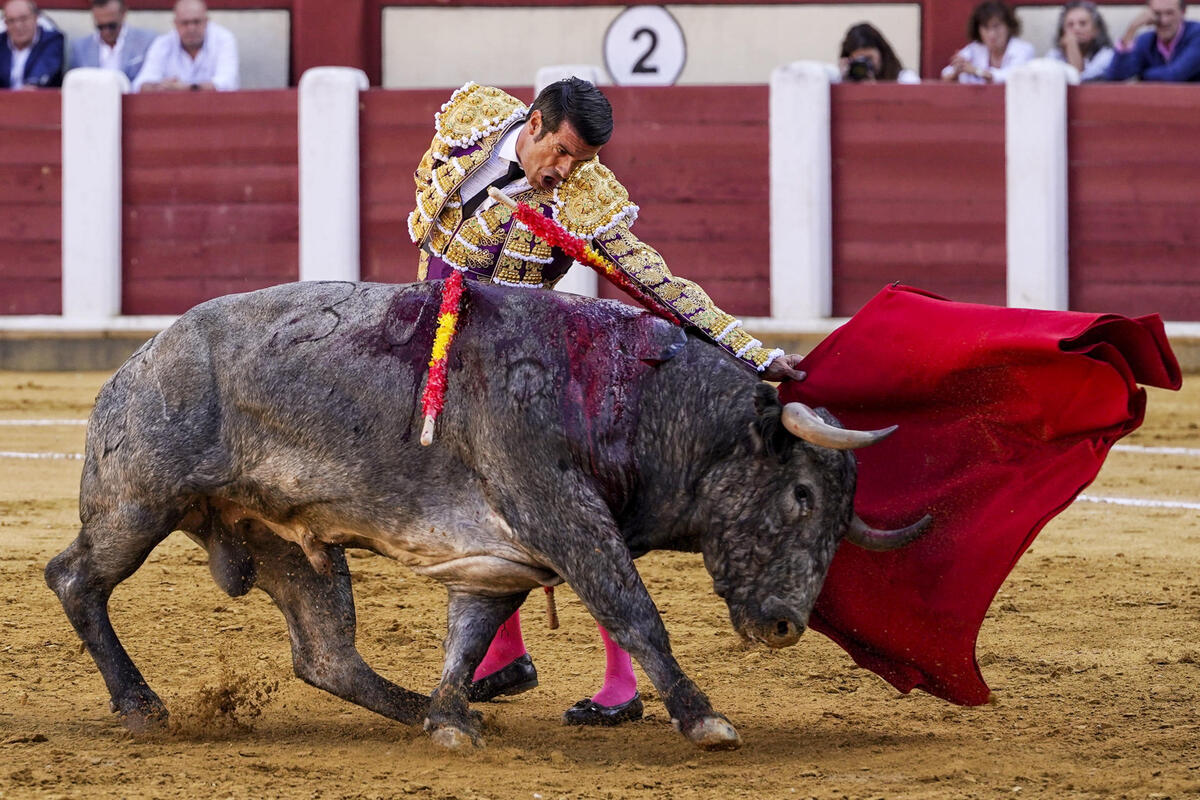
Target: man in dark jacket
31, 57
1170, 52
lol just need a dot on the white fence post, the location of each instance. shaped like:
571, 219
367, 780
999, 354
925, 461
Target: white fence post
1035, 153
580, 279
91, 193
329, 165
801, 193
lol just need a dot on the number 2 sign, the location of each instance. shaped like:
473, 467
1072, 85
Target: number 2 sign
644, 46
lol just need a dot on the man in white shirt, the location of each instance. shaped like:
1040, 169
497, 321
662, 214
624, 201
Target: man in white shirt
114, 45
197, 55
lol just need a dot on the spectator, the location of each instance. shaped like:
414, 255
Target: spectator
197, 55
114, 45
1170, 52
994, 49
1083, 40
31, 57
867, 56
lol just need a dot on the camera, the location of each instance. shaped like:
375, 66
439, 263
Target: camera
861, 69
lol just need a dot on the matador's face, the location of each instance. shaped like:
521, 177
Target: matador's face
549, 156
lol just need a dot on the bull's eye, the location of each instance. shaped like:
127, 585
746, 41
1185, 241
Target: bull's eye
804, 499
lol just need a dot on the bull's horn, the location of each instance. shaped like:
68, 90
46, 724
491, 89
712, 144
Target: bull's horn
804, 423
868, 538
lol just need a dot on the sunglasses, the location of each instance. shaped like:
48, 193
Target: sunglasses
108, 26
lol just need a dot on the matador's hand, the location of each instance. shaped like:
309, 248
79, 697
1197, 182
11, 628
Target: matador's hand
783, 368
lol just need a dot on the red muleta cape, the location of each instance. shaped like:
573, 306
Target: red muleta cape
1005, 416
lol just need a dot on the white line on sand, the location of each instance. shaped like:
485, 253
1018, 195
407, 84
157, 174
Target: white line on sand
1138, 501
1086, 498
1168, 451
69, 456
1120, 448
1118, 501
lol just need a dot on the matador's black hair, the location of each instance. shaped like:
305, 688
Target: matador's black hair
580, 103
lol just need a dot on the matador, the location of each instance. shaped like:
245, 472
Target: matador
545, 155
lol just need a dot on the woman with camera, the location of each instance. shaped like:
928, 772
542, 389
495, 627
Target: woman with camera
867, 57
1083, 40
994, 49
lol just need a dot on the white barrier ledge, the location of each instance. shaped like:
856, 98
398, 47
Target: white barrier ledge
43, 324
1035, 152
329, 165
48, 324
801, 193
91, 193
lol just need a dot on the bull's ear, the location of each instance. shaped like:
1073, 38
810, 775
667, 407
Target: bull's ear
767, 431
756, 438
766, 397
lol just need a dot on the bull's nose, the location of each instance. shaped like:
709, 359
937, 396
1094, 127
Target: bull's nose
784, 633
782, 626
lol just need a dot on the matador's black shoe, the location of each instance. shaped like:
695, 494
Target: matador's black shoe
588, 712
519, 676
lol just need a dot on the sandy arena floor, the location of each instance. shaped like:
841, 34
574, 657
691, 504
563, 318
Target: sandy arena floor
1092, 649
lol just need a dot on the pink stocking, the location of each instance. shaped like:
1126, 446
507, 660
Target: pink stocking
620, 684
507, 646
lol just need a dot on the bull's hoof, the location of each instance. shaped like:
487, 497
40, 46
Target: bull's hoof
714, 733
453, 738
141, 712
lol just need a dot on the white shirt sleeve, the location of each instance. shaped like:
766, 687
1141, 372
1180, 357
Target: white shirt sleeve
968, 53
154, 67
1017, 53
1094, 69
226, 75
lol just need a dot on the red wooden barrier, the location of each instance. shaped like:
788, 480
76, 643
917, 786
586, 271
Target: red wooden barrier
30, 203
695, 159
1133, 193
210, 201
918, 191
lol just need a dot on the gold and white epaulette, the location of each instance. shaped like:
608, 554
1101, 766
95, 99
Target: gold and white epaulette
592, 201
472, 113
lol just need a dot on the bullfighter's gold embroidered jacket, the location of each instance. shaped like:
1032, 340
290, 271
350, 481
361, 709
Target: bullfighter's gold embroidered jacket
591, 204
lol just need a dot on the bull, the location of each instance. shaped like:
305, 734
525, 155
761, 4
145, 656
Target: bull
279, 427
